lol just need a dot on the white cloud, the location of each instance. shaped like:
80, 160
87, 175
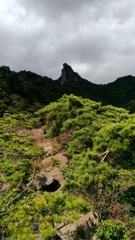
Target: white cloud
95, 37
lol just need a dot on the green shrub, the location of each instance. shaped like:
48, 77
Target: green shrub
55, 161
112, 230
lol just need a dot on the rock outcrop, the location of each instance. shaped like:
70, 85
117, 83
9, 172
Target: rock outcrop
35, 134
45, 182
68, 75
50, 179
84, 228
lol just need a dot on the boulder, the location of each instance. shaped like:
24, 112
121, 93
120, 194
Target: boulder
84, 228
35, 134
45, 182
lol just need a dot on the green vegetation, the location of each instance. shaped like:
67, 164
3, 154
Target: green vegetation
101, 152
24, 91
24, 212
36, 215
27, 92
55, 161
112, 230
100, 174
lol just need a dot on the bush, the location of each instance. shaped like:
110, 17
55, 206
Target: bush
112, 230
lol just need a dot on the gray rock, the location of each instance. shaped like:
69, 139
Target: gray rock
42, 180
45, 182
68, 75
86, 225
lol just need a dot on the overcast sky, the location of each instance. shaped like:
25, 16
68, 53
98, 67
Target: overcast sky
95, 37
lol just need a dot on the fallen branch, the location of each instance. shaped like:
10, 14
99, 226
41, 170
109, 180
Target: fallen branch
104, 154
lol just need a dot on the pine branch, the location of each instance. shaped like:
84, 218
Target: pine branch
9, 203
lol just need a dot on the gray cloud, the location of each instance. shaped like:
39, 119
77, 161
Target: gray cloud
95, 37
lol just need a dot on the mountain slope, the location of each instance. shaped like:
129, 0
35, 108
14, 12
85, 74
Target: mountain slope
98, 169
27, 91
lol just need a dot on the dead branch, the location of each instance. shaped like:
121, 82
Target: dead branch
103, 155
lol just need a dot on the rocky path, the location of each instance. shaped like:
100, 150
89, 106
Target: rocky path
50, 179
50, 173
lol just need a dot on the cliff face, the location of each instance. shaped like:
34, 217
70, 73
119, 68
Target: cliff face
68, 75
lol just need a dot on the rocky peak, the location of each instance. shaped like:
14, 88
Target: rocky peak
68, 75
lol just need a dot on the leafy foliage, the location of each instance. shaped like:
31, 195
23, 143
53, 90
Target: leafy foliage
100, 174
25, 213
101, 153
36, 215
112, 230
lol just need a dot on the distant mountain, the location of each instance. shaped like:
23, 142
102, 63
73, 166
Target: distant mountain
27, 91
120, 93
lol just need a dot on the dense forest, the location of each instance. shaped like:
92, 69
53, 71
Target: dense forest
99, 176
26, 91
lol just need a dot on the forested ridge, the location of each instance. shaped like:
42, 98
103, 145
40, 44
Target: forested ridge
26, 91
99, 176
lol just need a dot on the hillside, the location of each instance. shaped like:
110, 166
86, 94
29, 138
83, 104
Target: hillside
68, 172
26, 91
